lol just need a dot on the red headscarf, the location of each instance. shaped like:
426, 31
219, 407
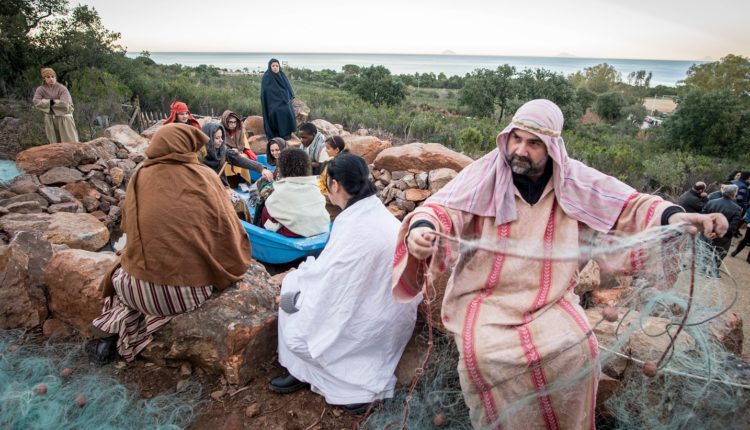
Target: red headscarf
178, 107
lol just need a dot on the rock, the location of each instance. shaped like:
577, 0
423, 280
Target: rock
301, 111
385, 176
396, 211
6, 194
101, 186
56, 195
421, 179
608, 296
186, 369
60, 175
102, 148
727, 330
421, 156
325, 127
252, 411
367, 147
607, 388
122, 154
3, 211
22, 264
114, 213
128, 138
258, 143
23, 208
71, 207
82, 189
412, 357
136, 158
410, 180
120, 194
254, 125
100, 216
588, 278
362, 132
416, 195
149, 132
389, 194
90, 204
39, 159
398, 174
85, 168
231, 334
117, 175
80, 231
53, 327
95, 174
29, 197
72, 279
25, 184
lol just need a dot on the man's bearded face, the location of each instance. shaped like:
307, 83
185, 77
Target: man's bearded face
527, 153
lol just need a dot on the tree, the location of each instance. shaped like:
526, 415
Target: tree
609, 106
376, 85
711, 123
546, 84
732, 73
601, 78
484, 89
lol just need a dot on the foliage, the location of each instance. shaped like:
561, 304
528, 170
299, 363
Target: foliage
609, 106
470, 139
601, 78
484, 89
732, 74
711, 123
375, 84
104, 94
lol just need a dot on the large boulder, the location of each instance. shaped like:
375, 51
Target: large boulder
101, 147
325, 127
76, 230
73, 277
301, 111
127, 137
39, 159
367, 147
258, 143
254, 124
22, 265
149, 132
28, 197
233, 333
420, 156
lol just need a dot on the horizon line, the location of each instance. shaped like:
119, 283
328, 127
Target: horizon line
567, 55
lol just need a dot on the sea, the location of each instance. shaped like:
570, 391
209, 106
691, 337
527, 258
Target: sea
665, 72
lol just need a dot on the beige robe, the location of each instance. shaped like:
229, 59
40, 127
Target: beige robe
58, 116
527, 359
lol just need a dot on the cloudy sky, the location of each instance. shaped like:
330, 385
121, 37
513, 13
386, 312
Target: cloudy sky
643, 29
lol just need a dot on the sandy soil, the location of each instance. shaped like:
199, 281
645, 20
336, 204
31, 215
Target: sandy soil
665, 105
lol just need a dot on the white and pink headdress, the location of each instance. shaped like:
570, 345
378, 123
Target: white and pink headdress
485, 187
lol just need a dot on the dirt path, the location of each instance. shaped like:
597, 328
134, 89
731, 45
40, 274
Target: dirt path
740, 271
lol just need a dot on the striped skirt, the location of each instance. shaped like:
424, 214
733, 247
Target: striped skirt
139, 308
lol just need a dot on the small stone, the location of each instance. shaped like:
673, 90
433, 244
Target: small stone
122, 154
252, 410
218, 394
24, 208
90, 203
60, 175
71, 207
439, 420
186, 369
119, 194
85, 168
116, 175
40, 389
421, 178
610, 314
416, 194
410, 180
95, 174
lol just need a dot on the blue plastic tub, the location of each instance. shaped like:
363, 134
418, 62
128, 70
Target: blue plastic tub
254, 176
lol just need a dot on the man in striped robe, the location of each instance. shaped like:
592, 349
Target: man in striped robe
527, 357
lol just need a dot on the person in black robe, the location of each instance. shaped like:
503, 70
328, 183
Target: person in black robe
276, 96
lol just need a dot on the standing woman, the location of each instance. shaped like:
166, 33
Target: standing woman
54, 100
276, 96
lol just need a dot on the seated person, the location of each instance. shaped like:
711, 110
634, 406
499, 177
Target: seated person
236, 139
263, 186
179, 113
313, 143
216, 155
295, 208
335, 145
340, 330
183, 243
273, 150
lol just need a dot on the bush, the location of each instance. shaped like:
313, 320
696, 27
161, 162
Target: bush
609, 106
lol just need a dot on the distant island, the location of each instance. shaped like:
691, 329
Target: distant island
448, 52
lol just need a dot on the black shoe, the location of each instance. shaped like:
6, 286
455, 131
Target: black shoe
356, 408
103, 350
734, 254
286, 384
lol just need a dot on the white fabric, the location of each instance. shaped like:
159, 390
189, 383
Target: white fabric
297, 204
349, 333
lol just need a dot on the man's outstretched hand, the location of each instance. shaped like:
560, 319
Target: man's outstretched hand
713, 225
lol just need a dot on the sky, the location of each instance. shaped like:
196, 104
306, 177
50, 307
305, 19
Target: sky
639, 29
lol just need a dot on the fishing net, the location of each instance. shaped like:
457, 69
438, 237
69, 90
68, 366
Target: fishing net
661, 349
52, 386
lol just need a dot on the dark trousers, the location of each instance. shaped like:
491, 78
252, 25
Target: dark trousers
743, 243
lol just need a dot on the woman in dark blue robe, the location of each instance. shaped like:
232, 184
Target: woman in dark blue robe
276, 96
